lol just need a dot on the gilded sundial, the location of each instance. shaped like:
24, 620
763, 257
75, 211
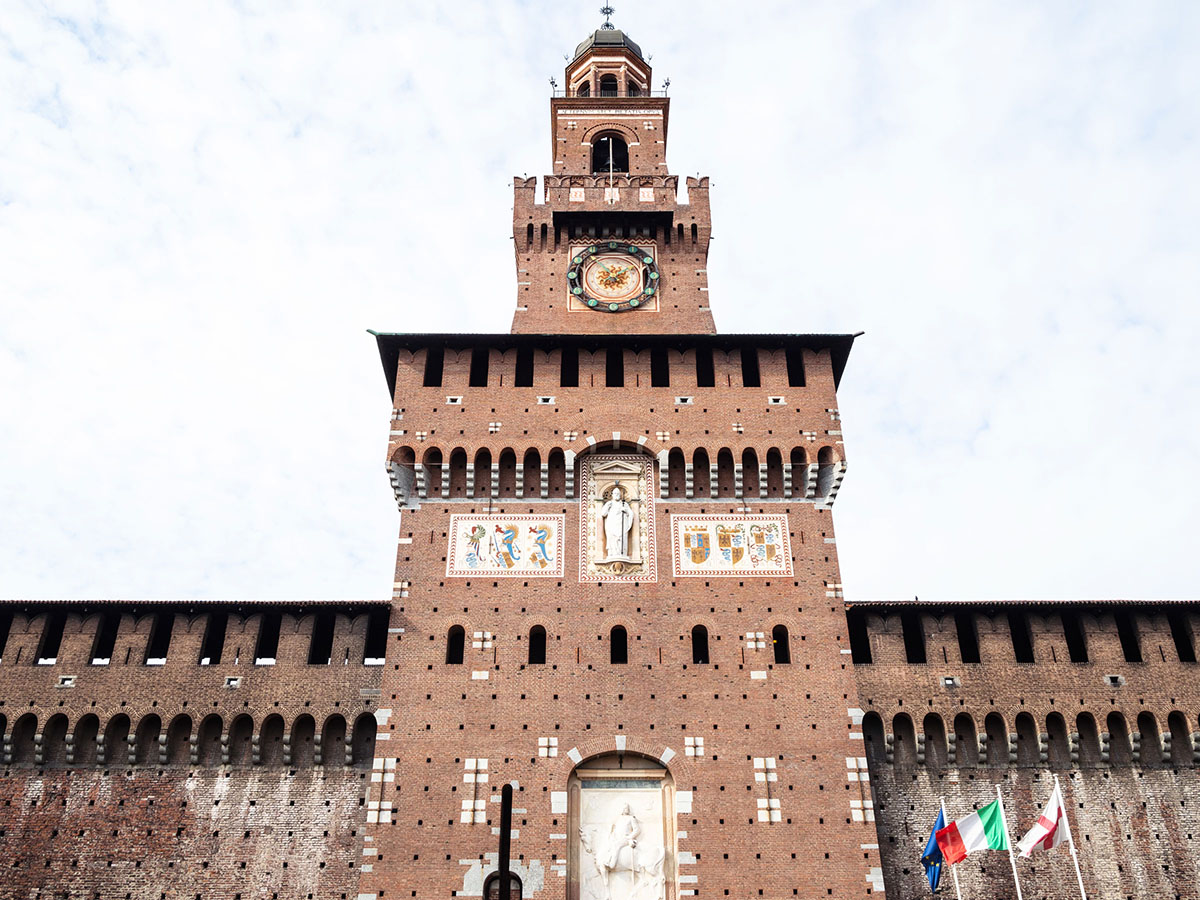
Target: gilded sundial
613, 277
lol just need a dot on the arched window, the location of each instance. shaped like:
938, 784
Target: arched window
1027, 740
935, 741
610, 154
618, 646
872, 726
333, 742
148, 730
904, 742
701, 474
966, 741
700, 645
116, 740
304, 729
608, 85
1151, 755
1058, 742
362, 741
632, 89
210, 740
584, 90
491, 887
241, 733
24, 730
1181, 741
270, 741
87, 730
825, 468
179, 741
54, 742
779, 639
1089, 739
456, 639
531, 474
997, 739
537, 646
1119, 753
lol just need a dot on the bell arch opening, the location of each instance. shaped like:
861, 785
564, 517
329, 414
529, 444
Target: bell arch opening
622, 827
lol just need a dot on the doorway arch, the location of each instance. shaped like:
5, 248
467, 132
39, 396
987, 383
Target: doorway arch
622, 827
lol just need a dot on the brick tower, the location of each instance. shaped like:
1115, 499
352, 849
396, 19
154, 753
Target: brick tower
617, 584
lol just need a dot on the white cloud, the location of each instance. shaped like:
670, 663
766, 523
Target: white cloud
201, 210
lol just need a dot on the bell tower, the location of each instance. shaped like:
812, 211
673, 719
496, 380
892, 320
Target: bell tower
611, 196
616, 579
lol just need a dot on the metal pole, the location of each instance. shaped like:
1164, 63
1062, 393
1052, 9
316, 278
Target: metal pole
1011, 858
1070, 839
505, 838
953, 871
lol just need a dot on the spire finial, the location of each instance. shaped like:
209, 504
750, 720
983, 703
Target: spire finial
606, 10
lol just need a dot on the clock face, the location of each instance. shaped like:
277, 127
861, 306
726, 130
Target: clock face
613, 277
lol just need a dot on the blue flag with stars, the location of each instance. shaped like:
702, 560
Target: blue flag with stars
932, 858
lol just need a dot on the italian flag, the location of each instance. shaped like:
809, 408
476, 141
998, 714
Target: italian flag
982, 830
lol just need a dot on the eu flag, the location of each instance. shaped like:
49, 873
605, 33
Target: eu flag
932, 858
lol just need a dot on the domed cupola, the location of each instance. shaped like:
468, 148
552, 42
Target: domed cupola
608, 63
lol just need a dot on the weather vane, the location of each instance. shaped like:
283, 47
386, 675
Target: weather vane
606, 10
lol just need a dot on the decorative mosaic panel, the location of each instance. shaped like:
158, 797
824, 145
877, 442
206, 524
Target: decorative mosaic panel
741, 546
500, 546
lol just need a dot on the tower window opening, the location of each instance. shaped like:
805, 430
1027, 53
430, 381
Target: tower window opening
1022, 641
610, 153
524, 374
434, 360
479, 367
750, 376
860, 640
1181, 633
213, 642
779, 640
320, 645
914, 637
695, 233
375, 645
795, 366
609, 86
700, 645
705, 376
968, 636
52, 633
660, 368
455, 640
1075, 637
618, 646
266, 648
632, 89
106, 639
1127, 631
568, 373
614, 367
160, 639
537, 646
584, 90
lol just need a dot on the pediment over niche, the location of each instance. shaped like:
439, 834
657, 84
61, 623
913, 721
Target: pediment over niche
610, 468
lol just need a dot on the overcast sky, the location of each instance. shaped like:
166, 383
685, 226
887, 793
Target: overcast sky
204, 206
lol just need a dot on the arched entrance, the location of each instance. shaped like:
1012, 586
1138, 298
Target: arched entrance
622, 828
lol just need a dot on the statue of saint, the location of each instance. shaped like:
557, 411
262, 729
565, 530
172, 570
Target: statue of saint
618, 519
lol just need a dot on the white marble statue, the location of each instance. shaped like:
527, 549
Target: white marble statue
618, 519
616, 867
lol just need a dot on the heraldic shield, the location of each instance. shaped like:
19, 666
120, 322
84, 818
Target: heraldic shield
698, 544
731, 543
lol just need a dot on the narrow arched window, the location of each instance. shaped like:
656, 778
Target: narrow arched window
537, 645
610, 153
779, 639
608, 85
618, 646
700, 645
584, 90
456, 638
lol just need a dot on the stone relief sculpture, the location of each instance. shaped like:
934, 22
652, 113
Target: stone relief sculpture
616, 866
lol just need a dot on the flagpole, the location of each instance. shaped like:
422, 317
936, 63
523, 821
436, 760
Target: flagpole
1070, 839
954, 871
1011, 858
